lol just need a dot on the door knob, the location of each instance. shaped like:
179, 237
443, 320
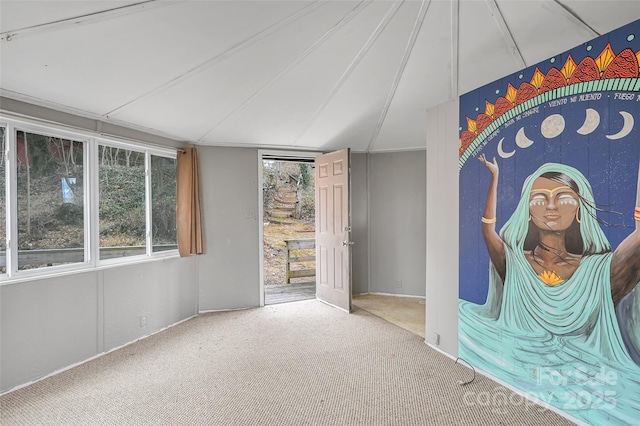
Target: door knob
347, 243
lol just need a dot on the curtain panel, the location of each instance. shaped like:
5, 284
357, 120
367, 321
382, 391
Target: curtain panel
189, 216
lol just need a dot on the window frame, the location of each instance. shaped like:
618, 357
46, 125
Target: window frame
149, 192
91, 141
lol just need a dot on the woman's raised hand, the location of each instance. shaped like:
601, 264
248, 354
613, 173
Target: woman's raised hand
492, 166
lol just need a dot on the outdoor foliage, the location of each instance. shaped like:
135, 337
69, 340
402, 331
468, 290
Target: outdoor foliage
281, 174
292, 177
163, 190
46, 219
122, 209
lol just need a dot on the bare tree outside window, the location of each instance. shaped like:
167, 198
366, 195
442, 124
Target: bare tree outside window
122, 202
48, 204
50, 200
163, 203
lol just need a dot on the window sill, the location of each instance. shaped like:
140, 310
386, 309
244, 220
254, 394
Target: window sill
83, 269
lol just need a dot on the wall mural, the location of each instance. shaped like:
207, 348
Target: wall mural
550, 229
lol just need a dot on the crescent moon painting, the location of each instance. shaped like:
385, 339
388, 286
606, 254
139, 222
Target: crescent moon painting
501, 152
552, 126
591, 122
626, 128
522, 140
570, 121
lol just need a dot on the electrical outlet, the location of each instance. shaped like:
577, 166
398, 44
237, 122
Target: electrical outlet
398, 283
143, 320
435, 339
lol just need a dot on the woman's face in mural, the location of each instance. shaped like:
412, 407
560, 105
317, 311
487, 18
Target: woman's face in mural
552, 206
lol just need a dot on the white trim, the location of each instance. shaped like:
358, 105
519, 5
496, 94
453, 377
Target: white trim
133, 146
46, 128
332, 305
283, 155
443, 352
368, 204
395, 295
79, 132
513, 389
289, 155
94, 202
5, 280
147, 205
213, 311
11, 187
91, 141
261, 227
531, 398
69, 367
392, 150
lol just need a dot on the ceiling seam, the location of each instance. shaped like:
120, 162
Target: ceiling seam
84, 19
455, 48
310, 49
417, 25
238, 47
20, 97
574, 16
498, 17
347, 72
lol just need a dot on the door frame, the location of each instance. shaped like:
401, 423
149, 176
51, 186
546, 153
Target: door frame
276, 155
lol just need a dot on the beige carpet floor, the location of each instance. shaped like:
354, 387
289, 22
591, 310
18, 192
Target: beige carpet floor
300, 363
405, 312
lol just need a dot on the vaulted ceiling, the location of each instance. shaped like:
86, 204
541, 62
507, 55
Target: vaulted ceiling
298, 74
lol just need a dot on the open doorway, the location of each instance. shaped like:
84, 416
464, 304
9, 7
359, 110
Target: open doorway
288, 229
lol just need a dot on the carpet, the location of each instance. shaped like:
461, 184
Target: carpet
300, 363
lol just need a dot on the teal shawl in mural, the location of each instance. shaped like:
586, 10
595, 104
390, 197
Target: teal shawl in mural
562, 344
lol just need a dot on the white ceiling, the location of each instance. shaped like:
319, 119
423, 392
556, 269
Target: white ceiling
305, 74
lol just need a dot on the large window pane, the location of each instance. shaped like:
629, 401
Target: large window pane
163, 203
122, 202
3, 205
50, 199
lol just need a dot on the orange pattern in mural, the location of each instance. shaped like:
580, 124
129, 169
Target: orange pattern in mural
607, 65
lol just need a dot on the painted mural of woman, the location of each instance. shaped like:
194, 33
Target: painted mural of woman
554, 286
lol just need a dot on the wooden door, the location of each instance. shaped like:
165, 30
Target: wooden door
333, 229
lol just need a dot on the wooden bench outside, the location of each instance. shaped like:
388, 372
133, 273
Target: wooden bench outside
294, 245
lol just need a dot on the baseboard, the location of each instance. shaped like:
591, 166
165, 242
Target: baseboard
390, 294
512, 388
69, 367
440, 350
209, 311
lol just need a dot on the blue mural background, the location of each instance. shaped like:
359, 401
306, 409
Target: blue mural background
611, 166
572, 366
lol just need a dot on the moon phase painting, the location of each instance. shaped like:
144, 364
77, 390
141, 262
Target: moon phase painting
549, 257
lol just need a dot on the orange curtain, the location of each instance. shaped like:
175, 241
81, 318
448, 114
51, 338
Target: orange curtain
189, 217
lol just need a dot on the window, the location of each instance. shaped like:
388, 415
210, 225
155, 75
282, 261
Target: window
72, 200
122, 202
50, 200
163, 203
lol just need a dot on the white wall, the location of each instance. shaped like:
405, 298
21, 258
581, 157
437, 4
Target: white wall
359, 223
397, 222
229, 270
49, 324
442, 227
